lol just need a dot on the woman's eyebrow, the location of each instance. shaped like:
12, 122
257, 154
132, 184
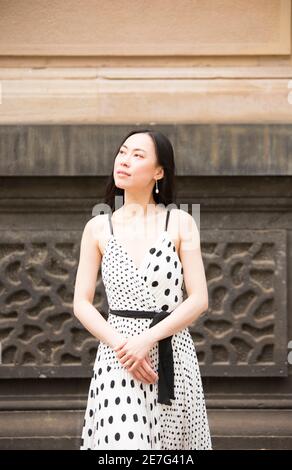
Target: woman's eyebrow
134, 149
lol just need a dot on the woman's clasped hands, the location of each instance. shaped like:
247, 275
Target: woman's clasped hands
133, 354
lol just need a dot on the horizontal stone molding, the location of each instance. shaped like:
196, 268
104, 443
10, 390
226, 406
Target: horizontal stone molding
200, 149
230, 429
125, 96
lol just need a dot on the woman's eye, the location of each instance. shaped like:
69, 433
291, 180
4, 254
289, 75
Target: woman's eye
136, 154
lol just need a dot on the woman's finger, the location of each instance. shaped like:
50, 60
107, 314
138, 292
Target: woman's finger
138, 376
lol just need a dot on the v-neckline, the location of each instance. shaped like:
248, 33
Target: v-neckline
144, 258
139, 269
146, 255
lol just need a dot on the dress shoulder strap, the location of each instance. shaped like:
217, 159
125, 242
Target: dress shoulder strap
167, 217
110, 222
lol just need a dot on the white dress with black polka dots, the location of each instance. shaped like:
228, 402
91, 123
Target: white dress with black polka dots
123, 412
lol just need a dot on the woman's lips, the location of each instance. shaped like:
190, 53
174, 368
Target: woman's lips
120, 173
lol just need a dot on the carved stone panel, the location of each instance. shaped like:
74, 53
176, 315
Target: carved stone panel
243, 333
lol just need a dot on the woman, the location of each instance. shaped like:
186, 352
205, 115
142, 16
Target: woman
146, 389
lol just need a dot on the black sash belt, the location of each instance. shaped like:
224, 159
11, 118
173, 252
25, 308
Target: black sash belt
165, 365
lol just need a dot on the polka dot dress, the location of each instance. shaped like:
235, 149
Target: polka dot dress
123, 412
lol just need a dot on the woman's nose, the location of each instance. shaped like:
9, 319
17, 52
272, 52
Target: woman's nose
126, 159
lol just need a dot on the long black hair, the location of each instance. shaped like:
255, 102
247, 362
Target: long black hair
165, 158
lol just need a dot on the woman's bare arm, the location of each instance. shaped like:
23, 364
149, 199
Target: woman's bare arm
89, 263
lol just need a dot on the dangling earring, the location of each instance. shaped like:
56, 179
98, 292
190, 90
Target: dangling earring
156, 189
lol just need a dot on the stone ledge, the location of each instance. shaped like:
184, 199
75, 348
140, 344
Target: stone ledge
200, 150
230, 429
135, 94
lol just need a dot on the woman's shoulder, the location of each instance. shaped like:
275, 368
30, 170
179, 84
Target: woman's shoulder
97, 226
183, 218
186, 226
97, 221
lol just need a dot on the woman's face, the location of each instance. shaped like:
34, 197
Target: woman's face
137, 158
